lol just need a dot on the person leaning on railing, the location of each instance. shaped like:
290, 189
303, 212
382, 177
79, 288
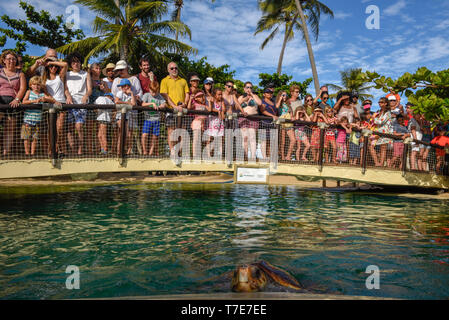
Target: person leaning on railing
12, 89
442, 141
54, 79
175, 91
32, 118
250, 103
78, 90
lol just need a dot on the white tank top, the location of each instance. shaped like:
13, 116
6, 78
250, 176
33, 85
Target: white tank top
77, 85
55, 88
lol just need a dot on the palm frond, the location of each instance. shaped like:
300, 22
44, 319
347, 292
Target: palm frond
104, 8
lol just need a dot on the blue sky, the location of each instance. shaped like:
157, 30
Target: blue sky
412, 34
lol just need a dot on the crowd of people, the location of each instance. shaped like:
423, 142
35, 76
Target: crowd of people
50, 80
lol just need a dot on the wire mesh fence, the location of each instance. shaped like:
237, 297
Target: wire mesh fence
119, 132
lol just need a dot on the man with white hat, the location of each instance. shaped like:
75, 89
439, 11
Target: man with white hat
122, 73
108, 72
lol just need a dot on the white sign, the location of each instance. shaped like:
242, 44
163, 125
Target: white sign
251, 175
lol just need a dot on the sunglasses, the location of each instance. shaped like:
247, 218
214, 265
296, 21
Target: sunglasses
325, 98
309, 100
174, 68
248, 87
228, 86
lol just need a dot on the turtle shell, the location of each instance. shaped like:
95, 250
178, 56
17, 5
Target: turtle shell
278, 275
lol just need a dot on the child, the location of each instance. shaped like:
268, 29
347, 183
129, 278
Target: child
329, 138
342, 150
104, 118
33, 118
354, 142
301, 135
216, 125
197, 102
318, 116
443, 141
126, 96
398, 145
152, 123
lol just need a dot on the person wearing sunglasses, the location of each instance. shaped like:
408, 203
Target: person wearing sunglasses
324, 98
250, 103
309, 104
175, 91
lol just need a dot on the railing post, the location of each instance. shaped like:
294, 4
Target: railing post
52, 134
123, 111
365, 133
323, 127
407, 142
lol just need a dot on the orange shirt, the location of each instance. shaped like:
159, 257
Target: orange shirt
441, 141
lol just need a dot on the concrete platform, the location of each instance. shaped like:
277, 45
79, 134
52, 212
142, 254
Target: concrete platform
250, 296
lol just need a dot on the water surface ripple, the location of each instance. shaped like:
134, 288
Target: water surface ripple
174, 239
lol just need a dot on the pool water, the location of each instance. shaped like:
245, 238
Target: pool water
146, 239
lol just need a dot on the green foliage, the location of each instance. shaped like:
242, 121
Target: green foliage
201, 67
283, 82
427, 90
131, 30
50, 32
354, 80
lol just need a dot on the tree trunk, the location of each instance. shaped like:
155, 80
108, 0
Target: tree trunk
309, 48
288, 30
117, 21
178, 18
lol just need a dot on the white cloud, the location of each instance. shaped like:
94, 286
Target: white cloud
395, 9
342, 15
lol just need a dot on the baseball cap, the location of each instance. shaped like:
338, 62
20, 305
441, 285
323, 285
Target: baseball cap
124, 82
194, 77
268, 90
392, 98
208, 80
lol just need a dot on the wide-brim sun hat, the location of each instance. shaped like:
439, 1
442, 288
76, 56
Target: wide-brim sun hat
108, 66
194, 78
121, 65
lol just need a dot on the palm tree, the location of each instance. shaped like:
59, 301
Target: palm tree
130, 28
353, 80
176, 14
276, 18
309, 12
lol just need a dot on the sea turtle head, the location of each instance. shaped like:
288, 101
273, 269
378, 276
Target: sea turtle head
248, 278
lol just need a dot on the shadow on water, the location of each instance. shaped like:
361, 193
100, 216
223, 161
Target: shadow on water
135, 240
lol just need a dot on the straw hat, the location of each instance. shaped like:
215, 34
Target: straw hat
109, 66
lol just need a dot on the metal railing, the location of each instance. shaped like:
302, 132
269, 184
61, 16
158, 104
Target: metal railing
53, 137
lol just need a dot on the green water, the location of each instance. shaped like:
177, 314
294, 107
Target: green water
140, 240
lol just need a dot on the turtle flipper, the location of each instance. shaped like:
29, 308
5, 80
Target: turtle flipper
279, 276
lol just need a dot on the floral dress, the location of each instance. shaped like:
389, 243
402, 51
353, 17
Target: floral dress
216, 125
384, 125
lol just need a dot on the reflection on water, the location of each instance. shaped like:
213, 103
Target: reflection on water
161, 239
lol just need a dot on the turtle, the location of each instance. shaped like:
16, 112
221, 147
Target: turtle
256, 276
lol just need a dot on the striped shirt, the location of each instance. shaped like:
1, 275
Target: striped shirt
34, 116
